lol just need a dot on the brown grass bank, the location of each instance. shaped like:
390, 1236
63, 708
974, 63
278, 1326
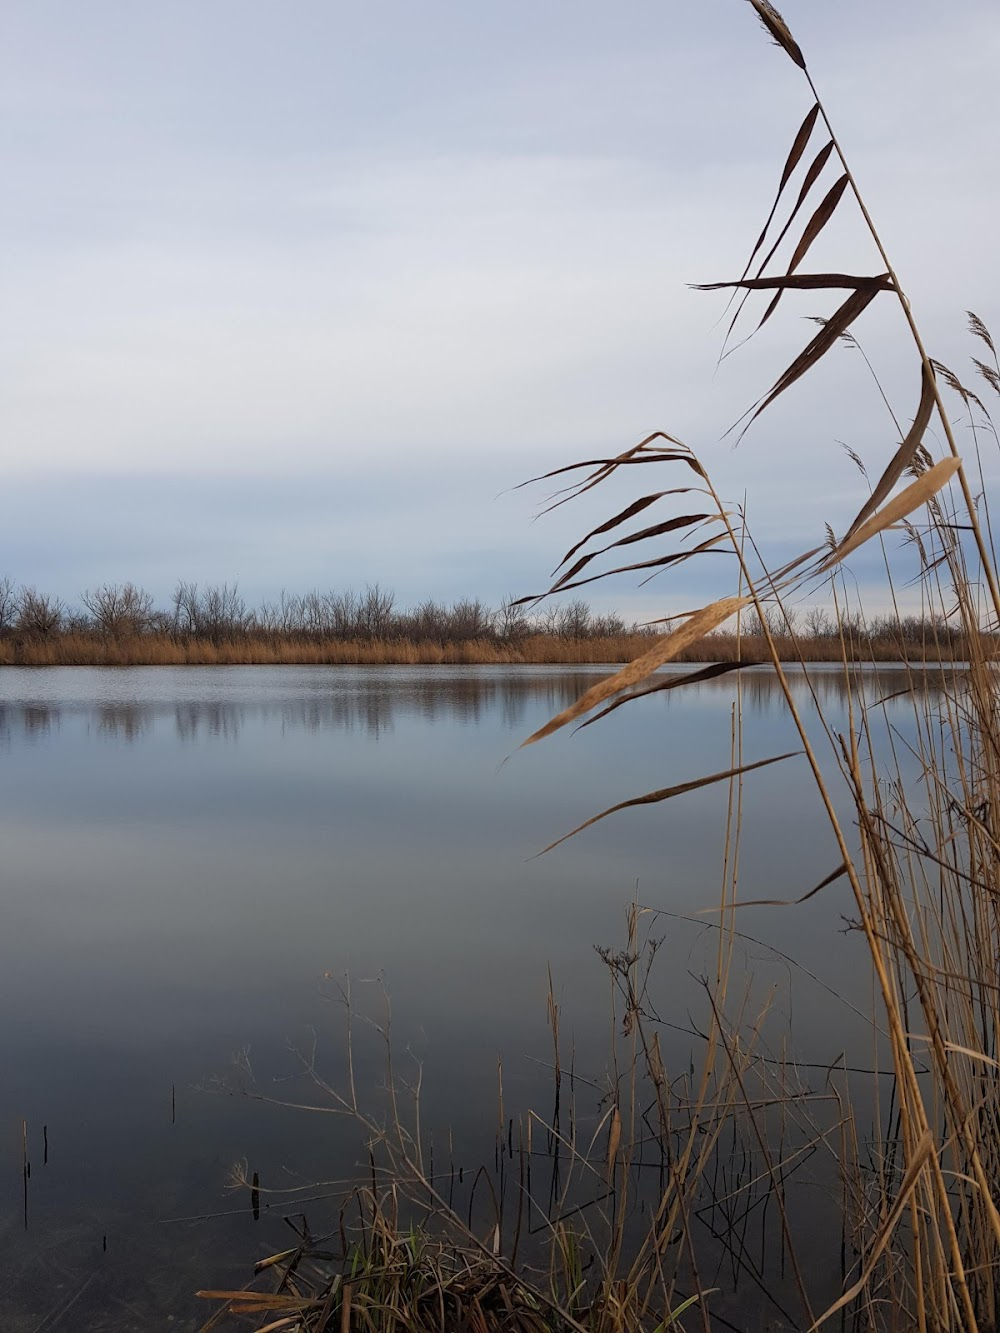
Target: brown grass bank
86, 648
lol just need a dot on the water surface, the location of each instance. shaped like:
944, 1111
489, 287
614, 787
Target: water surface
187, 852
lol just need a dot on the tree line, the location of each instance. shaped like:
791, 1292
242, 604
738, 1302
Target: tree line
219, 612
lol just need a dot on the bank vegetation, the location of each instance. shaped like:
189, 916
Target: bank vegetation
119, 624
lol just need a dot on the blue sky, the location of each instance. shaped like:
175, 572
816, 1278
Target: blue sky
295, 294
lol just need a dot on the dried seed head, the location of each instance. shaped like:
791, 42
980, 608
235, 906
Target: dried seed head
979, 330
779, 30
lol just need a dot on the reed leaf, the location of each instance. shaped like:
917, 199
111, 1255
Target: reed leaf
614, 1138
923, 1151
670, 683
799, 145
657, 530
832, 878
903, 456
661, 562
630, 511
814, 226
915, 495
702, 622
808, 181
802, 282
838, 323
668, 793
818, 221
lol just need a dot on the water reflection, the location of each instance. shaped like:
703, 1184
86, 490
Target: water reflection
372, 700
186, 853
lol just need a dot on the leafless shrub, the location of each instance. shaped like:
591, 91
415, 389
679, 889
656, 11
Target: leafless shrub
818, 623
574, 620
512, 623
374, 611
608, 626
120, 609
37, 613
8, 603
470, 619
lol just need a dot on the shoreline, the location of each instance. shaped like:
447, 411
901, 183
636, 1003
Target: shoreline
95, 650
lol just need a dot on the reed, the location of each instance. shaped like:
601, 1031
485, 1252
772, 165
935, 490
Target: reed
542, 1234
914, 1214
922, 868
86, 648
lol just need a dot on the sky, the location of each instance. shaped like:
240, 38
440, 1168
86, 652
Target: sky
296, 294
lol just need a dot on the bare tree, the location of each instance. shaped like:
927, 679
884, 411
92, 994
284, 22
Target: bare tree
313, 614
610, 626
547, 619
185, 604
221, 612
470, 619
777, 620
512, 621
426, 623
574, 620
374, 612
8, 603
268, 618
342, 613
818, 623
37, 613
120, 609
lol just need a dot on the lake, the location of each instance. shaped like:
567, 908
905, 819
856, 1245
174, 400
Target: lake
193, 859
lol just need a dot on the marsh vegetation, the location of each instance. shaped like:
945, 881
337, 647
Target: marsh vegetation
118, 624
694, 1155
909, 1213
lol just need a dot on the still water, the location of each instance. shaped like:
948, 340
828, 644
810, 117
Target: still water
188, 855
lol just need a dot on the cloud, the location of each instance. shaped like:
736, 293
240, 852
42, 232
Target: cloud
414, 257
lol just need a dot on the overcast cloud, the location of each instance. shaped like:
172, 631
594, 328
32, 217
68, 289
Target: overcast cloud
296, 293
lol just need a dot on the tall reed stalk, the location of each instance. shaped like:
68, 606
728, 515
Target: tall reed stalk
918, 1230
923, 867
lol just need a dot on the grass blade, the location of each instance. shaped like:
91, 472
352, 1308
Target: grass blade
904, 454
630, 511
818, 221
702, 622
802, 282
661, 562
657, 530
670, 683
808, 181
837, 324
799, 145
921, 1154
667, 793
922, 490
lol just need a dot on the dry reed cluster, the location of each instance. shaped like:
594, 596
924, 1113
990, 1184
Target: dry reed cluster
858, 643
81, 649
624, 1244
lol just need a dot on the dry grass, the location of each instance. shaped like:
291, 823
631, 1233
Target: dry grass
918, 1197
543, 1238
84, 649
923, 864
89, 649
